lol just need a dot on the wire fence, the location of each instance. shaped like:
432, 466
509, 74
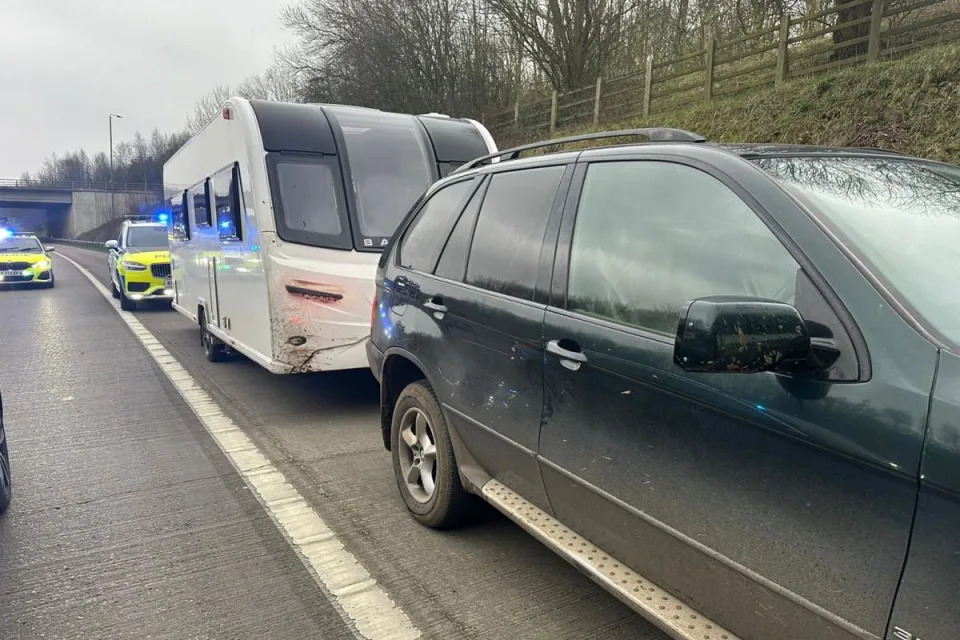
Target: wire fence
852, 33
82, 244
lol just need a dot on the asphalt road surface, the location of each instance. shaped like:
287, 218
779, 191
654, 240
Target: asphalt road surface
128, 521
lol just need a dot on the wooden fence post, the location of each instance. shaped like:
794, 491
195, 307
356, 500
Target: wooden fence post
516, 112
708, 82
553, 113
596, 102
647, 85
873, 42
782, 49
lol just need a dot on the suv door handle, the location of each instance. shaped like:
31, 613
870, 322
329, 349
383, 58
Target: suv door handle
573, 358
435, 304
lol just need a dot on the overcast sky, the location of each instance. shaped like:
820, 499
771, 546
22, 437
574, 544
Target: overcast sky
66, 64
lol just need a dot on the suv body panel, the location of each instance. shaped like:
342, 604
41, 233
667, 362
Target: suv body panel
928, 603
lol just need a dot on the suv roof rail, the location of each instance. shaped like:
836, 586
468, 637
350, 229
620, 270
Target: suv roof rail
882, 150
654, 134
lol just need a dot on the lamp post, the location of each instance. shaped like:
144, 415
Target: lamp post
113, 204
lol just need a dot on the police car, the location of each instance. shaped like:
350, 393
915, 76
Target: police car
139, 263
24, 260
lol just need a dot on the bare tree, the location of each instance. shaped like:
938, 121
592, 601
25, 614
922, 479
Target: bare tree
136, 161
206, 107
571, 41
279, 82
403, 55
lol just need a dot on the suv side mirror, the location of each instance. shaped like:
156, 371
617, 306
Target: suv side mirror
741, 335
50, 249
111, 244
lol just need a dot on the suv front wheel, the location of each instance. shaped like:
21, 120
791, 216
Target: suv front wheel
5, 483
423, 460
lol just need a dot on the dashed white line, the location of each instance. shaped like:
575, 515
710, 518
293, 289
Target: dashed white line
357, 596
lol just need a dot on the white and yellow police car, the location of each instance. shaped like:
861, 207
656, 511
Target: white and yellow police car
139, 263
24, 260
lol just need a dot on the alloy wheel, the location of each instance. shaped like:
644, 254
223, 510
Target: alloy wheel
418, 455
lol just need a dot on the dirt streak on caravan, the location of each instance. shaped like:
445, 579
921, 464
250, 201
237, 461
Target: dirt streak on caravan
278, 214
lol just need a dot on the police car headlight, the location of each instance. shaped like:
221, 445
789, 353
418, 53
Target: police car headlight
43, 264
133, 266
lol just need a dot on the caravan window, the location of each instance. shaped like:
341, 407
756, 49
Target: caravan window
179, 225
391, 166
200, 200
308, 200
226, 202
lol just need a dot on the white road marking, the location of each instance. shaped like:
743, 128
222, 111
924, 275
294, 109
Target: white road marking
363, 604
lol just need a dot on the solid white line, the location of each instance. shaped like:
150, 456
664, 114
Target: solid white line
363, 603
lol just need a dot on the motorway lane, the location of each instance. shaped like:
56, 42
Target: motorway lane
490, 580
127, 521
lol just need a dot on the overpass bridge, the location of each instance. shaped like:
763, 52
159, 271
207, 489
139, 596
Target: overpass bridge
73, 209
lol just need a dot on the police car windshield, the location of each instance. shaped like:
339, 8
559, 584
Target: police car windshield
147, 237
20, 245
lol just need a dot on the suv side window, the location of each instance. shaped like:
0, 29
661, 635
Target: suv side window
513, 218
453, 260
424, 238
651, 236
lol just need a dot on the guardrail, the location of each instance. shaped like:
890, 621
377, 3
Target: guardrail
82, 244
77, 185
854, 32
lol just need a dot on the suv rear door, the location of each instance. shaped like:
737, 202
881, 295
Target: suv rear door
780, 507
476, 322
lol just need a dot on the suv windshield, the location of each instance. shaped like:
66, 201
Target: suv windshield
147, 237
902, 218
14, 244
391, 167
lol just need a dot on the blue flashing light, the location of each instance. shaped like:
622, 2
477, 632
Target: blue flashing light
225, 224
162, 217
254, 247
5, 233
761, 407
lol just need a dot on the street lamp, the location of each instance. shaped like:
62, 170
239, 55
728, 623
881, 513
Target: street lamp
113, 204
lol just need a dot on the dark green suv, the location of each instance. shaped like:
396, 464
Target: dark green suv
722, 380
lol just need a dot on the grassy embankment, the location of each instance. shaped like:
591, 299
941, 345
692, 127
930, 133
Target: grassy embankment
911, 104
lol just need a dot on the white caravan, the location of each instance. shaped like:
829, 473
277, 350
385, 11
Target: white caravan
277, 217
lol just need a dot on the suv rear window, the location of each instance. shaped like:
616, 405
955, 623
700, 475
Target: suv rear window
424, 239
513, 219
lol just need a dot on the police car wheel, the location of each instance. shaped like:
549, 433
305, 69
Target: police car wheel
126, 303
